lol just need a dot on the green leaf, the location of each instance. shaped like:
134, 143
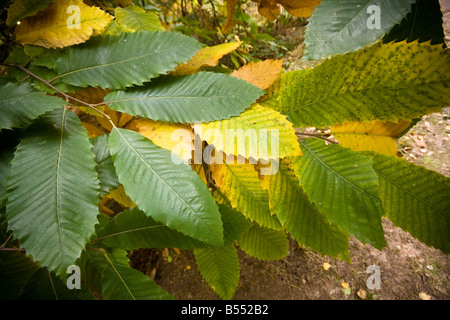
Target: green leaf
301, 218
347, 26
264, 243
121, 282
220, 268
20, 104
117, 62
90, 272
132, 229
423, 23
20, 9
105, 167
204, 96
415, 199
134, 17
170, 193
389, 82
5, 165
45, 285
343, 185
46, 208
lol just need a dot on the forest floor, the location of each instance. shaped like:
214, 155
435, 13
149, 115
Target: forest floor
409, 270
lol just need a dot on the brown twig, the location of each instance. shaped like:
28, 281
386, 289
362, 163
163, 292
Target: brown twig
12, 249
315, 135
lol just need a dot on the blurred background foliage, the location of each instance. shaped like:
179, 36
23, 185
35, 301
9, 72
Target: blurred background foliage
209, 22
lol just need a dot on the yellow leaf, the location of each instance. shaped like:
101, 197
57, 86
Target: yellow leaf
261, 74
103, 206
120, 196
124, 119
92, 130
63, 23
326, 266
135, 18
113, 115
207, 56
257, 133
344, 284
175, 137
300, 8
269, 9
198, 168
230, 22
378, 136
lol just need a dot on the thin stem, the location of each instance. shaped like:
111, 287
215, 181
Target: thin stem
68, 97
315, 135
6, 242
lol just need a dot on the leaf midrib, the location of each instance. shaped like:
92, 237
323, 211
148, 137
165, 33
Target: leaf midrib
340, 176
58, 169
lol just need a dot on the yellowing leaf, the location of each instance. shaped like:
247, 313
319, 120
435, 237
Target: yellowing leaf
378, 136
200, 170
135, 18
300, 8
120, 196
257, 133
261, 74
207, 56
230, 22
326, 266
344, 284
20, 9
63, 23
240, 185
172, 136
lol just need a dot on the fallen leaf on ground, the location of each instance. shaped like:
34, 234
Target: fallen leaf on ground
424, 296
